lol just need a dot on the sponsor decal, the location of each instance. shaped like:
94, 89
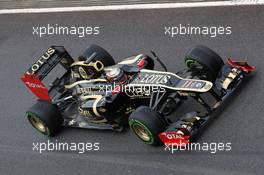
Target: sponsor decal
154, 79
35, 67
174, 138
36, 87
92, 118
85, 113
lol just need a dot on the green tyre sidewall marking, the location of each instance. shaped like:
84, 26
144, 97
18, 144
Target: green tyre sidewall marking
133, 121
29, 114
189, 62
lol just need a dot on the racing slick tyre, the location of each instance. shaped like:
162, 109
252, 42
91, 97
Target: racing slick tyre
206, 60
147, 124
101, 55
45, 117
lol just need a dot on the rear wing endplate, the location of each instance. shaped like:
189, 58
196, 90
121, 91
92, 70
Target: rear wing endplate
33, 77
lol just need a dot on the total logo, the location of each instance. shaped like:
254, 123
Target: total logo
174, 138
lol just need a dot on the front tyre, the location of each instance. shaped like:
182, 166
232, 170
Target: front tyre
45, 118
146, 125
204, 60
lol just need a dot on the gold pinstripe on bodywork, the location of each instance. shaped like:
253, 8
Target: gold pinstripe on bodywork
93, 64
97, 99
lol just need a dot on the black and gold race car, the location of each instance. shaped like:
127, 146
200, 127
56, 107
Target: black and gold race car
97, 93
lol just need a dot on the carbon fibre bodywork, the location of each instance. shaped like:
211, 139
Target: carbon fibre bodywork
97, 103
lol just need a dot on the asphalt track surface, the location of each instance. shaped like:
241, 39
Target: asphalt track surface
124, 33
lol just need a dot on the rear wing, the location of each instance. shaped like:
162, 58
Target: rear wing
33, 77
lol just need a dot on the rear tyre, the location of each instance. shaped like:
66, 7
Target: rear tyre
45, 117
146, 125
101, 55
206, 60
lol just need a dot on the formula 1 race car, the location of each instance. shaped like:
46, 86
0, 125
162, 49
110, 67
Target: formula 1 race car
94, 92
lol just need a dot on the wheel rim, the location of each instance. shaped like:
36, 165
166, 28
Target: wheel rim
37, 123
141, 132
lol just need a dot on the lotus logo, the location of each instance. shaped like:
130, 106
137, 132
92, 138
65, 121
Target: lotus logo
35, 67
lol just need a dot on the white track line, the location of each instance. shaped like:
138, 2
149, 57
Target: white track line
135, 6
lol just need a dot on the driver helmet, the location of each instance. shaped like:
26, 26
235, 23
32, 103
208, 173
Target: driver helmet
116, 75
